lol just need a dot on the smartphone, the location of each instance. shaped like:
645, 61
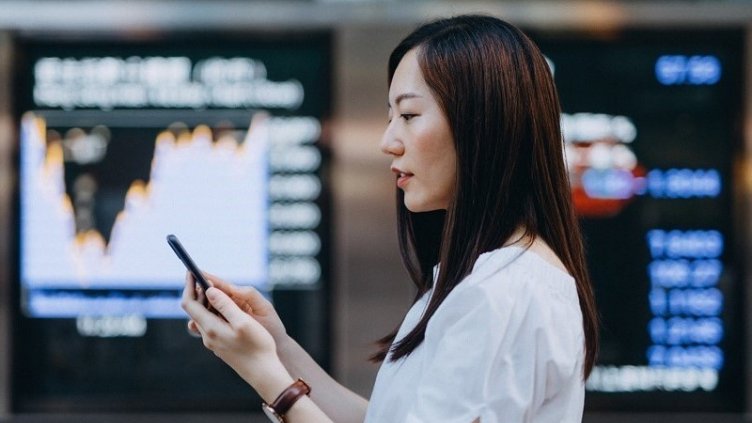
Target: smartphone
177, 247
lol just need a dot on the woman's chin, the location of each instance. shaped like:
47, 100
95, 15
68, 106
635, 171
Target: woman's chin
414, 206
421, 206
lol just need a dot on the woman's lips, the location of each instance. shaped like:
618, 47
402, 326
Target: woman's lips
403, 179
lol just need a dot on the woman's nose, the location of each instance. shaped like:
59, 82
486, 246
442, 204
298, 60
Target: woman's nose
390, 144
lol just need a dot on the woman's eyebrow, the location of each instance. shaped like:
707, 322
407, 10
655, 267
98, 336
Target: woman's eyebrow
403, 97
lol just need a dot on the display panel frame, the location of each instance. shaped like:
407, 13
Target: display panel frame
304, 309
686, 43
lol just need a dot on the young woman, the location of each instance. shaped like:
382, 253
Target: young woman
504, 326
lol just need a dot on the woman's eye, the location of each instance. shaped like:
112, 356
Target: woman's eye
407, 116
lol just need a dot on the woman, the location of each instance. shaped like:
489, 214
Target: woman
503, 327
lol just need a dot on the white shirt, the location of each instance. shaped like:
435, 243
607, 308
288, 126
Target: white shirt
506, 345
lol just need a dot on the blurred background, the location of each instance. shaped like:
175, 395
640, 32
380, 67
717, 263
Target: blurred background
251, 130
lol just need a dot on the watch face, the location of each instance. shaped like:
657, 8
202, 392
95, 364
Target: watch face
273, 416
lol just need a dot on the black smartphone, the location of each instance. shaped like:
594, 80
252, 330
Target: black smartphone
177, 247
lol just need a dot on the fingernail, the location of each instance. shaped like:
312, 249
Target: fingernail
211, 294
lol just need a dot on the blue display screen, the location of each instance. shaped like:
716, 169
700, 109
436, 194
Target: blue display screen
652, 126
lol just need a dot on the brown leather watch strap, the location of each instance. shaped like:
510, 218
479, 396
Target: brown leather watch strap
287, 398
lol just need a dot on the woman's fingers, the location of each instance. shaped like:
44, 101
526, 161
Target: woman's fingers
227, 307
189, 290
248, 298
193, 329
203, 318
218, 282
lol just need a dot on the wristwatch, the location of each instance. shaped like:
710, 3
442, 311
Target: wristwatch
277, 410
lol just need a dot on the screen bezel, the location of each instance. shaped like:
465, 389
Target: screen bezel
294, 305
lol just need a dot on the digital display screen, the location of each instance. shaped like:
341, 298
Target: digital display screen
70, 267
652, 126
218, 141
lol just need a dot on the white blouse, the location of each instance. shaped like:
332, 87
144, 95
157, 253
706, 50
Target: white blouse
506, 345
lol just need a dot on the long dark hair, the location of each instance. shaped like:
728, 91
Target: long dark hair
498, 94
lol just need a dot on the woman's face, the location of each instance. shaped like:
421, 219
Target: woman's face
419, 140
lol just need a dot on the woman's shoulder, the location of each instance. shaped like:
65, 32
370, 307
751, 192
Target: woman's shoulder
517, 273
511, 294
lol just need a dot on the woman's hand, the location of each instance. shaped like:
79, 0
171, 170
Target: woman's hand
234, 335
239, 330
249, 300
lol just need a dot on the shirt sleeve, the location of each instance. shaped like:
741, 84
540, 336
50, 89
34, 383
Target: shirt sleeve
496, 356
